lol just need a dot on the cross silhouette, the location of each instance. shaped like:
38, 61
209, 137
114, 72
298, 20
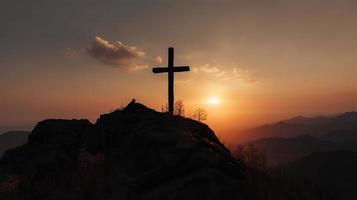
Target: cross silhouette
170, 71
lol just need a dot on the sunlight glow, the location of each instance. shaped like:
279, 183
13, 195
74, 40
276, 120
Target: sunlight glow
213, 101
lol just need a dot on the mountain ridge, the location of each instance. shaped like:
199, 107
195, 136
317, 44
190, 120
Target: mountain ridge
315, 126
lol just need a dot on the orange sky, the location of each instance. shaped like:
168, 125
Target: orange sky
264, 60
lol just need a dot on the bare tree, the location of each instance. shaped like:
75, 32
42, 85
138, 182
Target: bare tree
164, 108
179, 108
252, 157
200, 114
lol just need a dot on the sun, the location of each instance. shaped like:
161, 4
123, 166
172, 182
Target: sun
213, 101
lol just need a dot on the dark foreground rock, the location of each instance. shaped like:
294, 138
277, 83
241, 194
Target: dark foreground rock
136, 154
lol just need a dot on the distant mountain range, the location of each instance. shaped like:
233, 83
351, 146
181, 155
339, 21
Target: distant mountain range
281, 150
292, 139
331, 127
320, 152
12, 139
335, 170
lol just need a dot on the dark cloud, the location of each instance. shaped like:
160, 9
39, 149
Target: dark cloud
117, 54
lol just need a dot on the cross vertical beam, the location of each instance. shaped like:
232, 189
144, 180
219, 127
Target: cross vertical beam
170, 70
171, 80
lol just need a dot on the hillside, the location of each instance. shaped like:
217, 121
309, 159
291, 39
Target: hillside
341, 135
335, 170
134, 153
279, 150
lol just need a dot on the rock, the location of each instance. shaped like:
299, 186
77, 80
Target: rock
134, 153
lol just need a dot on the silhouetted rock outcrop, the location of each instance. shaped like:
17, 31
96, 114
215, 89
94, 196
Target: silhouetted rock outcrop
135, 153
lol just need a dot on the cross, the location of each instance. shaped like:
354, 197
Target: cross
170, 71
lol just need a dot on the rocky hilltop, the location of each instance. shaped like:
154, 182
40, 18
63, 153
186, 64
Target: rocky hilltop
134, 153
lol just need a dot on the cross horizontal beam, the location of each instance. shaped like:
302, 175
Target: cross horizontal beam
173, 69
170, 70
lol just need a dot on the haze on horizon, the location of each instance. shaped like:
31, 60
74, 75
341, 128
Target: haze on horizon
259, 61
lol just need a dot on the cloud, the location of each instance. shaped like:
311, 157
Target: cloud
242, 75
195, 70
221, 73
209, 69
232, 74
159, 59
119, 55
72, 52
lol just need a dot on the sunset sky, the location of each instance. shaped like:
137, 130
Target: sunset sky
252, 62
